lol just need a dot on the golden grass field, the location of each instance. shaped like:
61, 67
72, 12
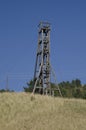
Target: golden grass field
21, 111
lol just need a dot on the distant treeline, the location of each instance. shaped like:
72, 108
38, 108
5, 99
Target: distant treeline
73, 89
4, 90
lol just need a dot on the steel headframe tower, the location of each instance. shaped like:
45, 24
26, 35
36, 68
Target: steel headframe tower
42, 72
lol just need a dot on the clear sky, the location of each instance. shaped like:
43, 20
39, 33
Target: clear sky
19, 32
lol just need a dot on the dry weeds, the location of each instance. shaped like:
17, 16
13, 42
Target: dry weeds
21, 111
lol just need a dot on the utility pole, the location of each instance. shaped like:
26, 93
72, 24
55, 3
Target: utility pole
7, 84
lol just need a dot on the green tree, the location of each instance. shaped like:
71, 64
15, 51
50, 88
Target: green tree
29, 87
76, 83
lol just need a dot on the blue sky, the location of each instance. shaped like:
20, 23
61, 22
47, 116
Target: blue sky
18, 39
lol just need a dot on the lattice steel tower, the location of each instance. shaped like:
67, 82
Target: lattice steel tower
42, 72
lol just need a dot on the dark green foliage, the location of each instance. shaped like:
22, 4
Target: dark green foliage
76, 83
29, 87
77, 93
84, 91
3, 90
73, 89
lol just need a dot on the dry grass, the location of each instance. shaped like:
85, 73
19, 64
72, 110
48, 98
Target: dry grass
21, 111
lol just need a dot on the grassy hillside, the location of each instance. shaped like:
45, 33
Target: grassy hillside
19, 111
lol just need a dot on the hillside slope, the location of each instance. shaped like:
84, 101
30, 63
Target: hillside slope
20, 111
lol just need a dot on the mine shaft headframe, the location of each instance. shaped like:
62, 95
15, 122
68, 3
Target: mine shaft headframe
43, 69
42, 66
